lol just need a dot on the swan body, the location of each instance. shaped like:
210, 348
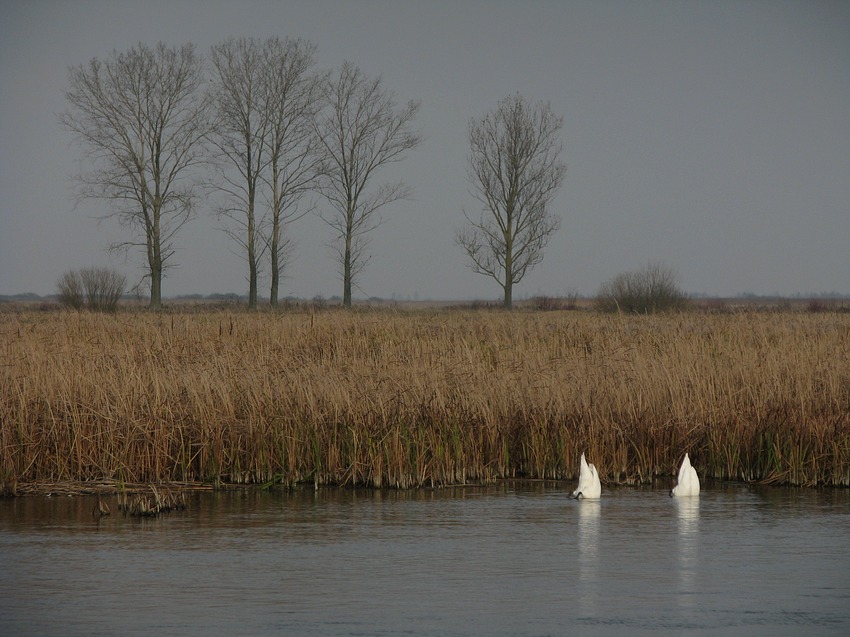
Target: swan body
589, 487
688, 482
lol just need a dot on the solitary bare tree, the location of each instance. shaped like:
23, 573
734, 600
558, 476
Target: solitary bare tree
290, 97
142, 119
359, 130
515, 173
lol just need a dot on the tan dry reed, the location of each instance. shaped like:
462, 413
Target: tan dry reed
417, 398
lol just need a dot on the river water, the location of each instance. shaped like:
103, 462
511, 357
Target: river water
516, 558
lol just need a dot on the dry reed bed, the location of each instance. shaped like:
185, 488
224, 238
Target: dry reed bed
407, 399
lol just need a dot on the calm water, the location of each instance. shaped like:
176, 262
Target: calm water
511, 559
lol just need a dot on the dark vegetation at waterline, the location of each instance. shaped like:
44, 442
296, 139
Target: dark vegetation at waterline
404, 399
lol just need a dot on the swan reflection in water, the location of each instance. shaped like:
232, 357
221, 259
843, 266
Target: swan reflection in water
687, 512
588, 554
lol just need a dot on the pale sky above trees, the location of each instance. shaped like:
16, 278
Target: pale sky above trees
711, 136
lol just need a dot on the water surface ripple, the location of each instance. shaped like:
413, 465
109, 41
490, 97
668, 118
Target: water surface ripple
515, 558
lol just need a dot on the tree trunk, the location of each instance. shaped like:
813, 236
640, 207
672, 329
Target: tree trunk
346, 277
252, 259
509, 274
275, 282
155, 263
275, 265
156, 286
252, 286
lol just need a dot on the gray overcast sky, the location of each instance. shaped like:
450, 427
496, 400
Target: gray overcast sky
711, 135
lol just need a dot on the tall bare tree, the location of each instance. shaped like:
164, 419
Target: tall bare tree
515, 173
142, 118
290, 97
360, 130
241, 125
265, 97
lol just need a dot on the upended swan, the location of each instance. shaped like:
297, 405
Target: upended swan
589, 487
688, 482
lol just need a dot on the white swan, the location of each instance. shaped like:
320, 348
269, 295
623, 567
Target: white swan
589, 486
688, 483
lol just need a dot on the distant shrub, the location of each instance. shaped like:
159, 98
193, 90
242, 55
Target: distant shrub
69, 289
653, 288
104, 288
98, 289
716, 306
546, 303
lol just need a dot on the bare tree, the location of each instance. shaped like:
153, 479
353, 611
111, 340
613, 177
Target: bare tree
290, 98
360, 130
265, 98
142, 118
515, 173
240, 129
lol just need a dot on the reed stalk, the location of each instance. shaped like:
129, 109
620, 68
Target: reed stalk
405, 399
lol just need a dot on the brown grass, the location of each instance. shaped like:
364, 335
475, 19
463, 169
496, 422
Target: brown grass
422, 397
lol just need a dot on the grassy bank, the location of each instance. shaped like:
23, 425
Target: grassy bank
426, 397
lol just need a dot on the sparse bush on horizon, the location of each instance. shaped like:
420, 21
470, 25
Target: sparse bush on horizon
546, 303
69, 290
99, 289
650, 289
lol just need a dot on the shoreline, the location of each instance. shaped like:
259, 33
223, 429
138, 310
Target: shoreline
71, 488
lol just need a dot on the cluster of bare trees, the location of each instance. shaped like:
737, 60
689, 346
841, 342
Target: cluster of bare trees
264, 97
277, 134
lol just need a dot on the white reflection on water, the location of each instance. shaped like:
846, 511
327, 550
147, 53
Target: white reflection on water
588, 550
687, 512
